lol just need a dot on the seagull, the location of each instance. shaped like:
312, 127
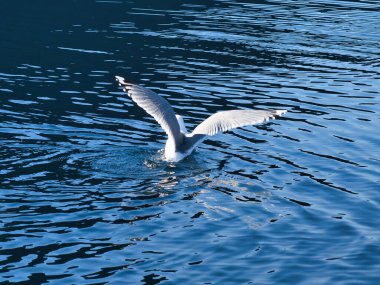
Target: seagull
180, 143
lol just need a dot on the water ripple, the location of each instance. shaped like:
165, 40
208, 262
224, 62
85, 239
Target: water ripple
85, 195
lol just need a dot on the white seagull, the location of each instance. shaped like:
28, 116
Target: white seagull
180, 143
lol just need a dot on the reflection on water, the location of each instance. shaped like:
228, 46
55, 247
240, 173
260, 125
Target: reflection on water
85, 196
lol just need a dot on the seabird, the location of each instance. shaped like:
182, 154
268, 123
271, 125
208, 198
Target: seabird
180, 143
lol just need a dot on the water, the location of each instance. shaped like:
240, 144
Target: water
85, 196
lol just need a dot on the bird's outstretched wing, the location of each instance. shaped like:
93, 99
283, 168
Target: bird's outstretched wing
156, 106
226, 120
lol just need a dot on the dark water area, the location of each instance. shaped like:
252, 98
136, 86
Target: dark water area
85, 197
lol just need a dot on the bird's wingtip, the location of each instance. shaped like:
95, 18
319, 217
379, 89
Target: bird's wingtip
119, 79
122, 83
280, 112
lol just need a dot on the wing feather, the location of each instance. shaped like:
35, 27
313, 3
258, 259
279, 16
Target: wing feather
226, 120
154, 105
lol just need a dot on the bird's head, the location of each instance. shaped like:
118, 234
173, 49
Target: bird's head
181, 124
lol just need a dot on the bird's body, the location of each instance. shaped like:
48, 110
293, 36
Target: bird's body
180, 143
178, 152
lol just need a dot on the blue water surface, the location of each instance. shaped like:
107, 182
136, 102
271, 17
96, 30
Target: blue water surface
85, 197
